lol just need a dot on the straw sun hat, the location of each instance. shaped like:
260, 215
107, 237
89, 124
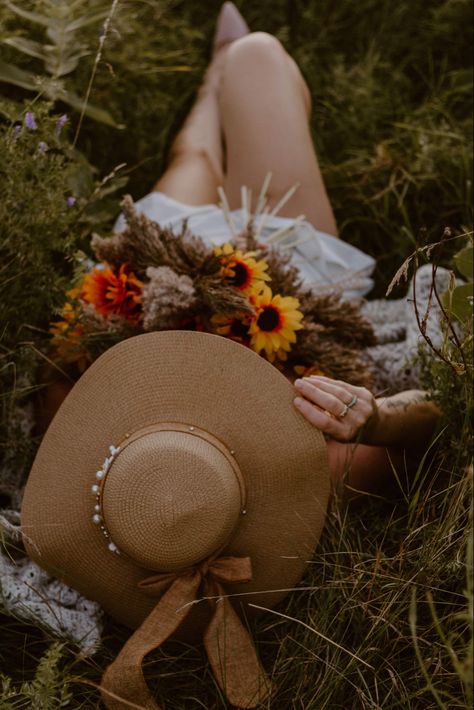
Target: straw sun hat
177, 470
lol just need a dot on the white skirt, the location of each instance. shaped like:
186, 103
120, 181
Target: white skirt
325, 263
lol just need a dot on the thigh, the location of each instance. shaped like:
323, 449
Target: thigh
264, 106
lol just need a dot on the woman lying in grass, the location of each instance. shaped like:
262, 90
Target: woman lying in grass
251, 118
255, 96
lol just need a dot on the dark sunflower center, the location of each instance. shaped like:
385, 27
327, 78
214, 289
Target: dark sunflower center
239, 329
268, 319
241, 274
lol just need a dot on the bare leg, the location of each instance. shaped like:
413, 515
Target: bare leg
367, 469
255, 94
195, 170
265, 105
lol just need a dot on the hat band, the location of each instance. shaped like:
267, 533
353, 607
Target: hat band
101, 474
229, 648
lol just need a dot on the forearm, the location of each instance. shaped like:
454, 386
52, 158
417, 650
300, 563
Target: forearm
407, 419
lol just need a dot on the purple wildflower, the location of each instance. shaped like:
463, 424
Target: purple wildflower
42, 147
60, 124
30, 121
71, 201
16, 132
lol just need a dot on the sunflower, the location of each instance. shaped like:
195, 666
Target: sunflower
241, 270
113, 292
276, 320
232, 327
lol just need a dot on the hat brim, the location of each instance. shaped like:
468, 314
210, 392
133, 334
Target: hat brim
197, 379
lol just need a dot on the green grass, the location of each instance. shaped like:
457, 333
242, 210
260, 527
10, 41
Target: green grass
391, 582
388, 588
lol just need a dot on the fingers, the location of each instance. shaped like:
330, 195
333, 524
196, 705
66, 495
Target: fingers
322, 381
330, 398
315, 416
337, 408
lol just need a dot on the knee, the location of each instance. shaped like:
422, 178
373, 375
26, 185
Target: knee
255, 47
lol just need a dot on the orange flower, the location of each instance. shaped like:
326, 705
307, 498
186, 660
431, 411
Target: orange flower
114, 293
68, 334
67, 340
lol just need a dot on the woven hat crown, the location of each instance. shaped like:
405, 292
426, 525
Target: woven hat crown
172, 496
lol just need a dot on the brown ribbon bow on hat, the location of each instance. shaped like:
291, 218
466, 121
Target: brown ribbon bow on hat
229, 648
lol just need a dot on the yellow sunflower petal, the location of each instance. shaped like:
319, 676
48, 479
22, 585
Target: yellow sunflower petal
274, 339
258, 341
269, 351
266, 295
290, 337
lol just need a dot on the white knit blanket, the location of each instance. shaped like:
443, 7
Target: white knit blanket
29, 593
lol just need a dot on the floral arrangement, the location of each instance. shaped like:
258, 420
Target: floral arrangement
148, 278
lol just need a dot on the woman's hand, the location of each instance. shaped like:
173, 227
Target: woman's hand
340, 410
348, 413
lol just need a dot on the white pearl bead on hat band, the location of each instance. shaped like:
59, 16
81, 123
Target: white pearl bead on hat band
96, 489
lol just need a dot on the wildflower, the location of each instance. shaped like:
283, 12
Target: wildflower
30, 122
67, 340
16, 132
42, 147
62, 120
275, 323
68, 334
71, 201
241, 270
112, 292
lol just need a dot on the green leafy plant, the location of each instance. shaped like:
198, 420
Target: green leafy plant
43, 217
46, 691
50, 199
459, 298
447, 367
60, 52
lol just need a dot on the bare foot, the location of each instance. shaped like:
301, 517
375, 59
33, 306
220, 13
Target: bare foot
230, 25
